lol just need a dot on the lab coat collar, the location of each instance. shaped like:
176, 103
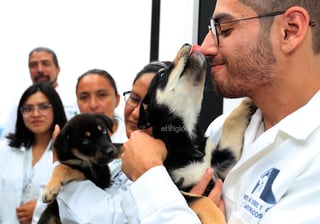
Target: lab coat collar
302, 123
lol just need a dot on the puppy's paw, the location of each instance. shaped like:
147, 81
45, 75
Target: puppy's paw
51, 191
246, 109
241, 115
236, 124
232, 137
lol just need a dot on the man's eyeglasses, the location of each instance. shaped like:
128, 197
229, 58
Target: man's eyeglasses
28, 109
131, 99
215, 26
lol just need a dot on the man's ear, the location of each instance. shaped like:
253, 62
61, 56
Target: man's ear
296, 26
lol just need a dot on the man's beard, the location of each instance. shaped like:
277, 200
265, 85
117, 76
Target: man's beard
42, 78
252, 70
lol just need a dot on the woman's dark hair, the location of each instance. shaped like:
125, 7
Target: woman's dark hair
22, 135
102, 73
153, 66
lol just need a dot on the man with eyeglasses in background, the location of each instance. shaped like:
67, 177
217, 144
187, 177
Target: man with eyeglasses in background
268, 51
43, 67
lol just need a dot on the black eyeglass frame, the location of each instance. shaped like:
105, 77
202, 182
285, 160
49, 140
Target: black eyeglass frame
134, 103
213, 24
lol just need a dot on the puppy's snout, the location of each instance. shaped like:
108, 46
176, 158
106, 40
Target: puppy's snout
112, 152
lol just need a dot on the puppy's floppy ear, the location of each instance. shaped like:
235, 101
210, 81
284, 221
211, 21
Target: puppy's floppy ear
143, 121
106, 120
61, 141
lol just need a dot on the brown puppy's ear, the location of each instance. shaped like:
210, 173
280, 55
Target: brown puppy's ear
61, 142
106, 120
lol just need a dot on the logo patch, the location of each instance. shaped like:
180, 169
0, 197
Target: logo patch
258, 200
264, 186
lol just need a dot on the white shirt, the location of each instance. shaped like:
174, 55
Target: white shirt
19, 181
119, 136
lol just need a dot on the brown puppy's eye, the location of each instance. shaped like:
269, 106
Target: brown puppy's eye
102, 129
87, 134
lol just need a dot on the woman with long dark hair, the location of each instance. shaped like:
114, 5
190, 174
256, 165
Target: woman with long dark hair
26, 155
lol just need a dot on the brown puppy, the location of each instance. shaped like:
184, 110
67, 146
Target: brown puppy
84, 149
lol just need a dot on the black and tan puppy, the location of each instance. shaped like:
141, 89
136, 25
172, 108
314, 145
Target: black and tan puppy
171, 107
84, 149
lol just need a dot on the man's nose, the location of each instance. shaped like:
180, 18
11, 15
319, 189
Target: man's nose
195, 48
209, 45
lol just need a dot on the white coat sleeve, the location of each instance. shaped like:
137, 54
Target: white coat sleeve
154, 199
41, 206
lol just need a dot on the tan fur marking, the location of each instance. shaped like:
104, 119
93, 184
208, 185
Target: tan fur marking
235, 126
60, 176
207, 211
87, 134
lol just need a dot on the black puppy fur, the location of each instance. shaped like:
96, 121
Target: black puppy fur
83, 144
172, 106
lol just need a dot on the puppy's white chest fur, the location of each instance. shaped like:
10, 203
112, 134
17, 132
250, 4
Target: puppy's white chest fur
193, 172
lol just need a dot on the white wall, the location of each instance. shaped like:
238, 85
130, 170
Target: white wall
107, 34
179, 24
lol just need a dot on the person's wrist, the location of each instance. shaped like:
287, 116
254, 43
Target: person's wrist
145, 168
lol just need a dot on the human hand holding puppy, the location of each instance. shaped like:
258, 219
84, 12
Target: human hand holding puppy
141, 153
215, 194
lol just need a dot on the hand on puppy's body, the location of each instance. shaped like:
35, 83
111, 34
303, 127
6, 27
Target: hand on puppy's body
215, 194
141, 153
25, 211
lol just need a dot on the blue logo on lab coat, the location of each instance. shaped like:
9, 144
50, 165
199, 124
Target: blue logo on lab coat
264, 186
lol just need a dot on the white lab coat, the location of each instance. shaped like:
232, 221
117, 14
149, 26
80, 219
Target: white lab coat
83, 202
17, 175
275, 181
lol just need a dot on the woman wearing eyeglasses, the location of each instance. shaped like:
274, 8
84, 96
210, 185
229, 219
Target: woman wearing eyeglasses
26, 156
134, 97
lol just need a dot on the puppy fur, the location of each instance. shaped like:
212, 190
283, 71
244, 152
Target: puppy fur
172, 107
84, 149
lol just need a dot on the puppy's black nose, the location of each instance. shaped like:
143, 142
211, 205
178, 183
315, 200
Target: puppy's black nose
111, 152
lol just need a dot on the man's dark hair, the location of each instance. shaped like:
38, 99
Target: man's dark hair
49, 51
267, 6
